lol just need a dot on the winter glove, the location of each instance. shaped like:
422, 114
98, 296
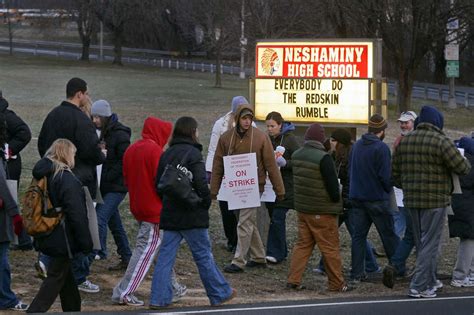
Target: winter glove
281, 162
17, 224
280, 197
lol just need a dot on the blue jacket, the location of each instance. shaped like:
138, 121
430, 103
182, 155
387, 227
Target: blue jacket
369, 169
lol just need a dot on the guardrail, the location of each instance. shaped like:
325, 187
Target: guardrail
167, 59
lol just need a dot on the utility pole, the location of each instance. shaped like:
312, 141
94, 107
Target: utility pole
451, 54
101, 37
243, 41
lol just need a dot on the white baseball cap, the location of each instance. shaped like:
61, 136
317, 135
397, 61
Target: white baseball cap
406, 116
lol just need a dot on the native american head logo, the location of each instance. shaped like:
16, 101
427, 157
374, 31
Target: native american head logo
270, 62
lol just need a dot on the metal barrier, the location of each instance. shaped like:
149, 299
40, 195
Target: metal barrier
167, 59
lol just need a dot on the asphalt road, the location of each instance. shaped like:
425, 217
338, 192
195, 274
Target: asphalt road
444, 304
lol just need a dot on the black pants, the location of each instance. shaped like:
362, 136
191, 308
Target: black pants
229, 220
60, 280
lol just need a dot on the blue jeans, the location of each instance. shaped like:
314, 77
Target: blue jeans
399, 221
7, 297
80, 266
276, 243
108, 214
362, 216
405, 246
217, 287
371, 264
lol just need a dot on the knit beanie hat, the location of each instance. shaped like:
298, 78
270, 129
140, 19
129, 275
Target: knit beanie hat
431, 115
467, 144
315, 132
377, 123
101, 108
342, 136
237, 101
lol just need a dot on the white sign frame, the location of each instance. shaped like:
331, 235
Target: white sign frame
241, 181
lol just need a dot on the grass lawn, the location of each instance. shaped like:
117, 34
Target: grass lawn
33, 86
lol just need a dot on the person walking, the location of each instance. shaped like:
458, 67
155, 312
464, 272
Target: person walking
18, 137
114, 139
140, 165
422, 166
402, 218
281, 135
183, 219
318, 205
68, 121
223, 124
369, 189
244, 138
68, 238
461, 224
10, 223
341, 144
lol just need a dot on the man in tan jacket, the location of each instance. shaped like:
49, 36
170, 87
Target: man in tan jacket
241, 139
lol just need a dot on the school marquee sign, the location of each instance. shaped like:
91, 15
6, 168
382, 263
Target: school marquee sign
314, 81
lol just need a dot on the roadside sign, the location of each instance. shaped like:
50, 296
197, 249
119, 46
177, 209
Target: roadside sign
452, 69
325, 81
452, 24
451, 52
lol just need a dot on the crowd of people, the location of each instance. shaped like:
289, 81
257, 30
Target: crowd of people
90, 166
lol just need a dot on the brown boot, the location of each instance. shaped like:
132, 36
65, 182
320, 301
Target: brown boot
122, 265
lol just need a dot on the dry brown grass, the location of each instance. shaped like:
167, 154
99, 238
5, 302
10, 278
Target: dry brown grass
34, 86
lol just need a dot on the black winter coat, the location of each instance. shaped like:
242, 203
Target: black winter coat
117, 140
176, 215
65, 191
68, 121
461, 224
18, 136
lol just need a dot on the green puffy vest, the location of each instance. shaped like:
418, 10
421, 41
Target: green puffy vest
310, 193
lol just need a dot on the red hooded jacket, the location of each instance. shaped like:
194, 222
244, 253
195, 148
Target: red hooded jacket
140, 164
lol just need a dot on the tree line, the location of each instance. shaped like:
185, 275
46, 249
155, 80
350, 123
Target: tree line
414, 33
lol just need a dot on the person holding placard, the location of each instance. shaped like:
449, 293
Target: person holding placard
240, 140
223, 124
284, 143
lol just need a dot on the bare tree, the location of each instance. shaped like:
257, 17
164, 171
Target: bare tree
115, 14
217, 22
85, 15
10, 26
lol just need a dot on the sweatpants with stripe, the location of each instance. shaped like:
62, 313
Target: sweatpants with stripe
147, 244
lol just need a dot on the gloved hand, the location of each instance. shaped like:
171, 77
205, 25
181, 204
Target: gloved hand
281, 197
281, 162
17, 224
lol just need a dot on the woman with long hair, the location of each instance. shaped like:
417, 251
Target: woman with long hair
183, 219
114, 139
284, 143
68, 238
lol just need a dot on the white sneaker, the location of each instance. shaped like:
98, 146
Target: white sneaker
438, 285
271, 259
422, 294
88, 287
466, 283
20, 306
179, 292
132, 300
